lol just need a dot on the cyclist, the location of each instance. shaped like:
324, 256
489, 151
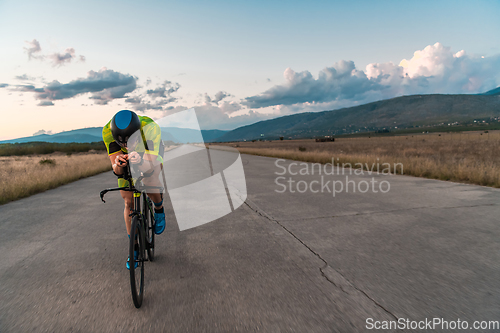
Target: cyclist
118, 136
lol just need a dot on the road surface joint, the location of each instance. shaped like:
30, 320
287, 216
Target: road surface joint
329, 273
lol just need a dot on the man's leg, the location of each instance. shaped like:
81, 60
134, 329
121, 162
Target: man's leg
159, 212
129, 205
157, 198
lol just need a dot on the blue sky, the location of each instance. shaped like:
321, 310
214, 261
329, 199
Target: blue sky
67, 65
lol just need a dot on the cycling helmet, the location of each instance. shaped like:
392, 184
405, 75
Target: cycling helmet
123, 125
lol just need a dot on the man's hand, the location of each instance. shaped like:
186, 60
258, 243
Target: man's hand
134, 157
121, 160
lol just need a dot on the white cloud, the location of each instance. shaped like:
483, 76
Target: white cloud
213, 117
207, 98
42, 132
164, 90
435, 69
59, 59
33, 49
219, 96
341, 81
105, 85
229, 107
448, 72
181, 119
25, 77
45, 103
154, 99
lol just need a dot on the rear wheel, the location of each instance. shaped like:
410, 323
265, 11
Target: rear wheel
137, 256
149, 226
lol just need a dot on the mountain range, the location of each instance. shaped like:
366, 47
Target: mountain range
94, 134
389, 114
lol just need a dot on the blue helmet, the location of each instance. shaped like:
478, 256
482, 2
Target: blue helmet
123, 125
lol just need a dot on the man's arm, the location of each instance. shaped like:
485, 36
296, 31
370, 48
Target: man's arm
152, 133
118, 162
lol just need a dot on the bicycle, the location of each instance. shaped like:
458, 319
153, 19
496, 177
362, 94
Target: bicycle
142, 236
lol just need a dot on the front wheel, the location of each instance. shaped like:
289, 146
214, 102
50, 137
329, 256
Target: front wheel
137, 256
149, 226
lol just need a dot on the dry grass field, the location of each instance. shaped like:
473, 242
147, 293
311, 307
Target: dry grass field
22, 176
472, 157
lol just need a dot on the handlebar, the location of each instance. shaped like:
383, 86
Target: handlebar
103, 192
131, 188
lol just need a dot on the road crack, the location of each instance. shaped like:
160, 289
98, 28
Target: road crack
328, 272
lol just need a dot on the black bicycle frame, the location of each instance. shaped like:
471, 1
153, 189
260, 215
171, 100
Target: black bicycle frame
132, 188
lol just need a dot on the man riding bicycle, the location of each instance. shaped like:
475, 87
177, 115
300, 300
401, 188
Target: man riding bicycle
122, 136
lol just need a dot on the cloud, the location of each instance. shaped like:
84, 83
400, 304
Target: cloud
33, 49
207, 99
174, 109
229, 107
42, 132
342, 81
133, 100
213, 117
154, 99
58, 59
219, 96
164, 90
24, 77
45, 103
4, 85
142, 104
435, 69
448, 72
213, 113
105, 84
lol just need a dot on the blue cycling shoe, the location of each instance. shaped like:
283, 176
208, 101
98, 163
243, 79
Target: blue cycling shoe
136, 255
160, 223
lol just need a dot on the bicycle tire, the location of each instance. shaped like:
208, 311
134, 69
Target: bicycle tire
137, 273
149, 226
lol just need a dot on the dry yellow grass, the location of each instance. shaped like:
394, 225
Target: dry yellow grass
23, 176
467, 157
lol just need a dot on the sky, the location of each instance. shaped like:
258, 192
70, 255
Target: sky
67, 65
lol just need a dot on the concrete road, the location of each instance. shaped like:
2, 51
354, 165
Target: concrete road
283, 262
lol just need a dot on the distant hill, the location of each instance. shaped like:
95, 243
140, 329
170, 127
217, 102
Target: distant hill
185, 135
212, 135
495, 91
94, 134
400, 112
